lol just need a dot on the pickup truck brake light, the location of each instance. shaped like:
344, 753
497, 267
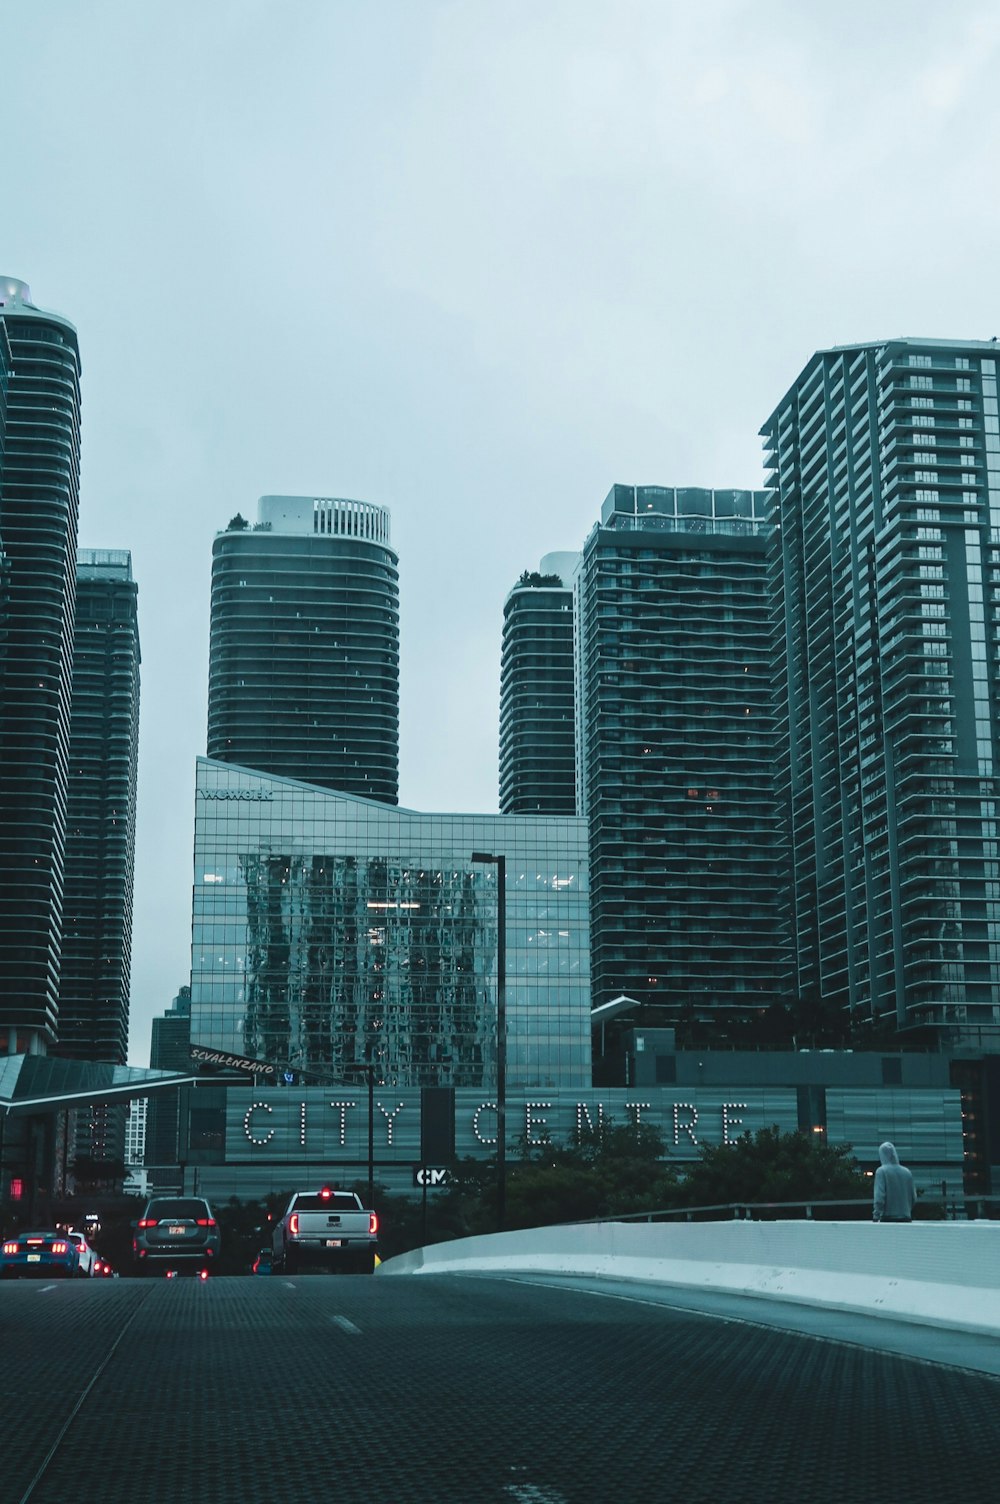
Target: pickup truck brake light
293, 1224
372, 1223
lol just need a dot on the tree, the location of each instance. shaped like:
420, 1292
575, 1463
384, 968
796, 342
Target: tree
609, 1171
773, 1166
237, 524
537, 580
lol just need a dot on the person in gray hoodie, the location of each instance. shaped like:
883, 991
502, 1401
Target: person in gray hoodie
894, 1191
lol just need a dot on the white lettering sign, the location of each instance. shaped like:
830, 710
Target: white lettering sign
728, 1121
257, 1107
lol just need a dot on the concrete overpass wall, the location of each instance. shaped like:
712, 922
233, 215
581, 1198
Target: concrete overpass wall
940, 1273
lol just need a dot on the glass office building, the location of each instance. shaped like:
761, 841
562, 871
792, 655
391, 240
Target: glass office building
885, 578
330, 931
303, 677
675, 747
537, 744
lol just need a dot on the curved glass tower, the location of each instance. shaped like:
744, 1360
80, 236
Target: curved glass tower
537, 747
303, 677
39, 502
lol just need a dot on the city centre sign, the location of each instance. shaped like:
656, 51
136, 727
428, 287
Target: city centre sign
331, 1123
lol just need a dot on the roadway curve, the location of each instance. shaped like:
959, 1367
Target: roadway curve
458, 1389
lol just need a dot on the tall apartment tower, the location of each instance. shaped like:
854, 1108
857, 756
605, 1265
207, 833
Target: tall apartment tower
537, 744
100, 838
39, 501
885, 464
675, 754
6, 367
304, 654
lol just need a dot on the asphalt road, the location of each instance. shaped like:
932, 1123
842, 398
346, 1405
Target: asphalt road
448, 1388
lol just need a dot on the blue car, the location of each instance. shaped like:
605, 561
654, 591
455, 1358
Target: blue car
39, 1255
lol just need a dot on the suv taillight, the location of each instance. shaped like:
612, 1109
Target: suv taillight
147, 1222
206, 1221
293, 1224
372, 1223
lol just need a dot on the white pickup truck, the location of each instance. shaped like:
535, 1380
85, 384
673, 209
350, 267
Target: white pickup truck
325, 1228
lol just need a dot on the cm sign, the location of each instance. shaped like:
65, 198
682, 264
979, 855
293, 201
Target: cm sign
424, 1175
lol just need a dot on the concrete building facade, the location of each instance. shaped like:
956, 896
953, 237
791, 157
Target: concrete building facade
675, 750
885, 576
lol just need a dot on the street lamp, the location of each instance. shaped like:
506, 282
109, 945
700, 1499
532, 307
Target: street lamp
500, 862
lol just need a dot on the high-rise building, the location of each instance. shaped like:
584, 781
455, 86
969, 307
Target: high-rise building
537, 745
135, 1131
6, 366
100, 837
304, 652
885, 463
675, 753
39, 499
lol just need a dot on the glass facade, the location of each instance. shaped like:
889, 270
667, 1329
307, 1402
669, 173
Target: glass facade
100, 835
675, 750
303, 677
330, 930
537, 743
39, 504
885, 578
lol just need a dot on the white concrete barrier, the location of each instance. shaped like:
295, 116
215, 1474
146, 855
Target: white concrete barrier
940, 1273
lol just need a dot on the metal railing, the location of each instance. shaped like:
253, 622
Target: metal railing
960, 1208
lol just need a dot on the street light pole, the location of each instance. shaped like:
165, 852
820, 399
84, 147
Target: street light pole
371, 1135
500, 862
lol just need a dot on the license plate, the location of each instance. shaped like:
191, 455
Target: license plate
334, 1242
34, 1258
176, 1232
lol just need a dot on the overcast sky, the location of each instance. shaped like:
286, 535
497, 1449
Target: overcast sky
475, 261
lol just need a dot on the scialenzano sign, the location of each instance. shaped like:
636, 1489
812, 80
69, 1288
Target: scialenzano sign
262, 1069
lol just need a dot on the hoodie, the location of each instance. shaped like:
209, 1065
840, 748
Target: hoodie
894, 1190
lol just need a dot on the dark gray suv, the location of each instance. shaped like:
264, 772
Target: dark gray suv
175, 1235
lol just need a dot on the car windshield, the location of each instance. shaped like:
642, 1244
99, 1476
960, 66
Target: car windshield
337, 1201
184, 1209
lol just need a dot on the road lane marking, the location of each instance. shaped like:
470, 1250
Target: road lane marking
345, 1325
288, 1286
533, 1493
46, 1288
88, 1387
